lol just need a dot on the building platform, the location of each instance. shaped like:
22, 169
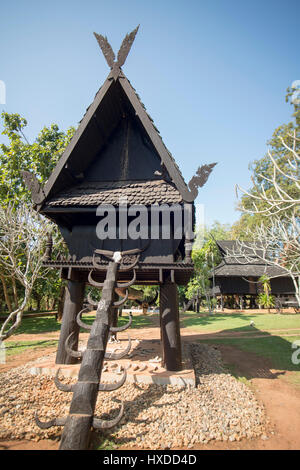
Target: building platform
143, 365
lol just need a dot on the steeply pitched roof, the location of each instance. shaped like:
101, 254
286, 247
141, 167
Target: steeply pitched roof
244, 261
225, 269
102, 117
234, 252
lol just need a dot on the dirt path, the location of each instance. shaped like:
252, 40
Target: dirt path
281, 399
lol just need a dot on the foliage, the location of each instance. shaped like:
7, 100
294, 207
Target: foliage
285, 137
18, 154
206, 258
270, 208
22, 252
39, 157
266, 300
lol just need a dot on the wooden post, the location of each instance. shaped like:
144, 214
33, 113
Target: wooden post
72, 305
76, 431
170, 329
115, 315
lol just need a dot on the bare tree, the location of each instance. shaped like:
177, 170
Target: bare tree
277, 245
278, 242
23, 234
282, 199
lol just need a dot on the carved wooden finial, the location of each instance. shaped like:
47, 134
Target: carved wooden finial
200, 178
33, 184
123, 52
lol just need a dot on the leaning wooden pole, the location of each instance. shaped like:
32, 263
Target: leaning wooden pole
78, 423
80, 420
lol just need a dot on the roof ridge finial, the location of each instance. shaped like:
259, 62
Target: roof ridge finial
123, 51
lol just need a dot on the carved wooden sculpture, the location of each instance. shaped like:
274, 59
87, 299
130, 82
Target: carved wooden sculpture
115, 151
81, 417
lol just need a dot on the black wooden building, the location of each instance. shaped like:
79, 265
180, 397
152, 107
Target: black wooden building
239, 276
116, 157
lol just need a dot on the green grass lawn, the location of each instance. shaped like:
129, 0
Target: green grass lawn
239, 321
277, 349
48, 324
13, 348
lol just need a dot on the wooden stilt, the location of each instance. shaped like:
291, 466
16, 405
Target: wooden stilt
72, 305
170, 330
115, 314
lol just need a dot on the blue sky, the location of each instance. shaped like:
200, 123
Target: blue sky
212, 75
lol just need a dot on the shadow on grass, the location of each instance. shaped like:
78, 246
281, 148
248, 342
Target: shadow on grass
37, 325
13, 348
195, 320
255, 356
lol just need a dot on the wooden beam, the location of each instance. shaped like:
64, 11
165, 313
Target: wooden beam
170, 329
72, 306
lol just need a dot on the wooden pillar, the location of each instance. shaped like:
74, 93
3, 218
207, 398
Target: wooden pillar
115, 314
72, 305
169, 324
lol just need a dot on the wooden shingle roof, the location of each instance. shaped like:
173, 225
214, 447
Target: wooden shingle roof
250, 265
110, 192
225, 269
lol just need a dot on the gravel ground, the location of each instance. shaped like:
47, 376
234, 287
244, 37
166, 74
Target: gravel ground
156, 417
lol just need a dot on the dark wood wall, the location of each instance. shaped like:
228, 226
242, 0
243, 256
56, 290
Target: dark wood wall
238, 285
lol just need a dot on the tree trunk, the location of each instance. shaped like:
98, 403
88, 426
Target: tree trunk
6, 295
60, 305
38, 303
15, 292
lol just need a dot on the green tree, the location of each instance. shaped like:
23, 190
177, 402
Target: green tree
265, 298
262, 171
205, 259
18, 154
39, 157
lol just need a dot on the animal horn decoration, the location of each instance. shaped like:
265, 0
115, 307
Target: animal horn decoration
92, 302
70, 351
123, 52
49, 424
123, 285
80, 322
77, 424
92, 282
108, 424
117, 329
62, 387
113, 386
116, 356
122, 301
